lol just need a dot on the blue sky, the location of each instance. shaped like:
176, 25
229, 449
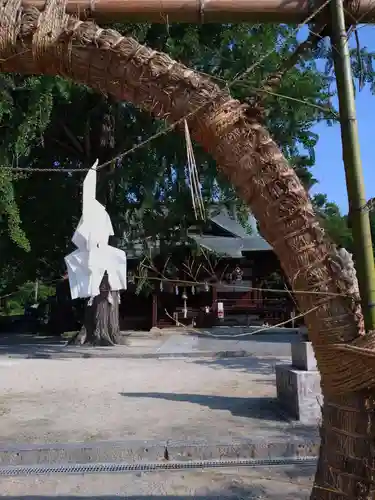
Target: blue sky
329, 169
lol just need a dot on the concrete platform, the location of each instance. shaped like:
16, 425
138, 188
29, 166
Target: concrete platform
299, 394
298, 385
303, 356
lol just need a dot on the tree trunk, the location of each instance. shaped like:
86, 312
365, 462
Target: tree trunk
245, 152
101, 320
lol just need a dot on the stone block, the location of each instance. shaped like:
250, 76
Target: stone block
303, 357
299, 394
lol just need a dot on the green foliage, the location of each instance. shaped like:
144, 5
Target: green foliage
16, 303
48, 121
334, 223
154, 177
26, 104
372, 227
362, 60
26, 292
10, 212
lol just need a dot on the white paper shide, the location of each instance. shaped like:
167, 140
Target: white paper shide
93, 257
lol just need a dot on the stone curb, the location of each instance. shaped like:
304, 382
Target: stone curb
151, 451
129, 355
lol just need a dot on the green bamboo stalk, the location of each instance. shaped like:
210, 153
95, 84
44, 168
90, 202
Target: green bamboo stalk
359, 217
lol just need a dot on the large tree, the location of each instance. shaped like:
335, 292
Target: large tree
25, 111
154, 177
83, 126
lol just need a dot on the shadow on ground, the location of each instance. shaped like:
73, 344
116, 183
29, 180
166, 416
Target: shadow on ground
262, 365
260, 408
266, 346
44, 347
17, 338
16, 343
252, 407
290, 429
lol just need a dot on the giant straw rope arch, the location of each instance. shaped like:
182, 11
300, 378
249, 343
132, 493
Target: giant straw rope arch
53, 43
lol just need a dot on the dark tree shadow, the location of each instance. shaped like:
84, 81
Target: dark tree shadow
263, 346
261, 365
264, 409
28, 345
259, 408
22, 338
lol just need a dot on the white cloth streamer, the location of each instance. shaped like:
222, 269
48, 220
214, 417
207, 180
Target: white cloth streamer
87, 265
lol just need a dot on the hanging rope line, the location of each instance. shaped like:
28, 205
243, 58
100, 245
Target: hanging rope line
273, 81
246, 334
245, 288
171, 127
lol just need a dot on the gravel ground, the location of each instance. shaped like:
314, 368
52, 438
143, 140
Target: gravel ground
107, 399
75, 400
253, 484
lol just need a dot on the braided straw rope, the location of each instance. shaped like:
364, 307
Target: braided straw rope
348, 367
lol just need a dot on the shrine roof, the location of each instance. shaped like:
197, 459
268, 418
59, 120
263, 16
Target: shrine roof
233, 245
228, 221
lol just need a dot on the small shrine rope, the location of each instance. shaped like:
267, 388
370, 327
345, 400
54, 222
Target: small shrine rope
196, 195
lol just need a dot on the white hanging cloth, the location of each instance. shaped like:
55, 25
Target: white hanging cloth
87, 265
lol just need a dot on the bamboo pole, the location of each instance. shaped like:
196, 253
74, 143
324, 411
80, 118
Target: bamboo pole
359, 217
202, 11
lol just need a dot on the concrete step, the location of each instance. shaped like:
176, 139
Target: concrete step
136, 451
